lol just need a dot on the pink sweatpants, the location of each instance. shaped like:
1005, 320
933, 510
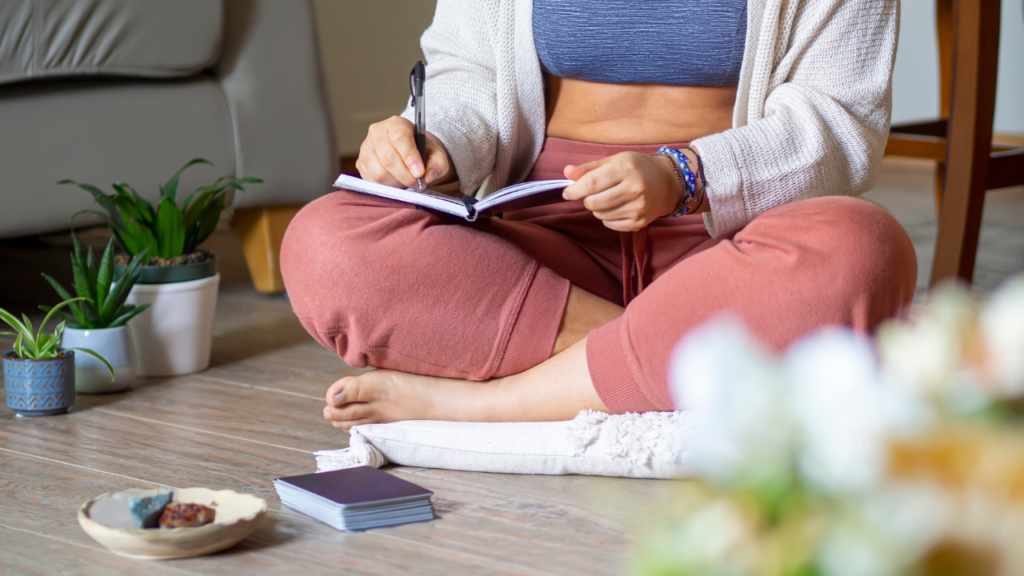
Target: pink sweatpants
394, 286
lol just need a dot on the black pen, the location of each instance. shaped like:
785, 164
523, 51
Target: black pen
416, 81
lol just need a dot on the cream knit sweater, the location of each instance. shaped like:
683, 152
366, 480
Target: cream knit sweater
811, 117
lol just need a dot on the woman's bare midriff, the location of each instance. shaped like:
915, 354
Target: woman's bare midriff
635, 113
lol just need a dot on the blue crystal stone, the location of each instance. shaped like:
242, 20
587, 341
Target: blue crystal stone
146, 511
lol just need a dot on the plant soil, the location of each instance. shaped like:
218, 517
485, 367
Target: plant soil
197, 257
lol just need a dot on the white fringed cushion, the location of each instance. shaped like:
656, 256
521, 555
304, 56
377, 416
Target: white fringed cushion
646, 445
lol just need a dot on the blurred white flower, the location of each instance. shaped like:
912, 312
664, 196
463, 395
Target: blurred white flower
711, 536
927, 352
825, 408
846, 411
742, 432
884, 532
1002, 323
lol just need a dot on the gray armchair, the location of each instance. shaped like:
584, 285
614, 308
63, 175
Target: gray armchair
128, 90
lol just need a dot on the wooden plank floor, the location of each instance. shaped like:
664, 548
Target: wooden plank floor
255, 415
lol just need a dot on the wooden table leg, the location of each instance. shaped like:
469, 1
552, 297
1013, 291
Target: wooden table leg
975, 65
261, 231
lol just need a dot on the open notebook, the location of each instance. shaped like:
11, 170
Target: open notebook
515, 197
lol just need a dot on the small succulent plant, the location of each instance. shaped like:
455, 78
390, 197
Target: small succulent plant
169, 230
32, 344
101, 299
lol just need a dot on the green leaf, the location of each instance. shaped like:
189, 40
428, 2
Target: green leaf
66, 296
147, 207
130, 210
82, 285
84, 281
117, 229
13, 322
143, 239
119, 238
170, 229
105, 201
57, 287
170, 190
123, 286
193, 218
90, 269
208, 220
129, 314
54, 310
28, 322
48, 342
97, 356
114, 225
23, 331
72, 321
249, 180
104, 276
77, 254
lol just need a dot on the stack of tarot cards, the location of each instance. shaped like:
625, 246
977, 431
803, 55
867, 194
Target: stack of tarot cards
356, 499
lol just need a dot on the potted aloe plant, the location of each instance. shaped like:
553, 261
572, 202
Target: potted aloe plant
99, 321
39, 375
179, 280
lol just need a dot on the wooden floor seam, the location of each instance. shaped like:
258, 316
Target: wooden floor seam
258, 387
198, 430
80, 467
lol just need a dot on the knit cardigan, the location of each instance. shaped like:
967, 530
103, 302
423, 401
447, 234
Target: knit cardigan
811, 117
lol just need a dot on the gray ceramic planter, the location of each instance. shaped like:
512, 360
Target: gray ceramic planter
39, 387
114, 344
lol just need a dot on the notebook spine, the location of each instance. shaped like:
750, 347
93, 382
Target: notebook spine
471, 212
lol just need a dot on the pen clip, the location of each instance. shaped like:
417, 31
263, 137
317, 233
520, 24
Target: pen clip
416, 79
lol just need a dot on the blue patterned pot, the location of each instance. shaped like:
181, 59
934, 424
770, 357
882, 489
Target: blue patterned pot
39, 387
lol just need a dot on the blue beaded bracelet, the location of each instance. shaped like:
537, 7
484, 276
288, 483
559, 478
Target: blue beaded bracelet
687, 179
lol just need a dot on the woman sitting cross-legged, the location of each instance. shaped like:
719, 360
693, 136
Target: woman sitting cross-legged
773, 116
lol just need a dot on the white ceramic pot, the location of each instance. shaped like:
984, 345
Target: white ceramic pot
175, 334
115, 344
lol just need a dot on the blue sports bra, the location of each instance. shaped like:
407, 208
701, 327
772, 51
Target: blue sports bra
677, 42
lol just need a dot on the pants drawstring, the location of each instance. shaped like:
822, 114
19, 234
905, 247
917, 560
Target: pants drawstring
634, 263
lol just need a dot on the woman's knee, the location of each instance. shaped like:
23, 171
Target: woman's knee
332, 250
866, 242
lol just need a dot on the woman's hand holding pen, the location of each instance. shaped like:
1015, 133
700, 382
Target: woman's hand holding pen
389, 156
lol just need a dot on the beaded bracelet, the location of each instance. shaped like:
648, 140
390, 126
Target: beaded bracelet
688, 201
700, 168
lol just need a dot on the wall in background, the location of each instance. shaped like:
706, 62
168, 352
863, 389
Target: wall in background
368, 50
916, 78
369, 47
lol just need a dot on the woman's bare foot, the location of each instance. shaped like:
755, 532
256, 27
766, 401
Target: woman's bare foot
389, 396
556, 389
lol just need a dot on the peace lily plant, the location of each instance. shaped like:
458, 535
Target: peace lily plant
846, 456
170, 230
178, 280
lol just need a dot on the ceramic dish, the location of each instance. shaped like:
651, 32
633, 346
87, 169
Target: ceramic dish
237, 516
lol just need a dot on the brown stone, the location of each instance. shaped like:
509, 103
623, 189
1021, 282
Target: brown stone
181, 514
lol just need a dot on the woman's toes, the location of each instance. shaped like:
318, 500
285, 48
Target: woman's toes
367, 387
349, 412
336, 395
347, 425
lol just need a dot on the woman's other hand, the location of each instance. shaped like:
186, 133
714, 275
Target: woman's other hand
626, 191
389, 156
